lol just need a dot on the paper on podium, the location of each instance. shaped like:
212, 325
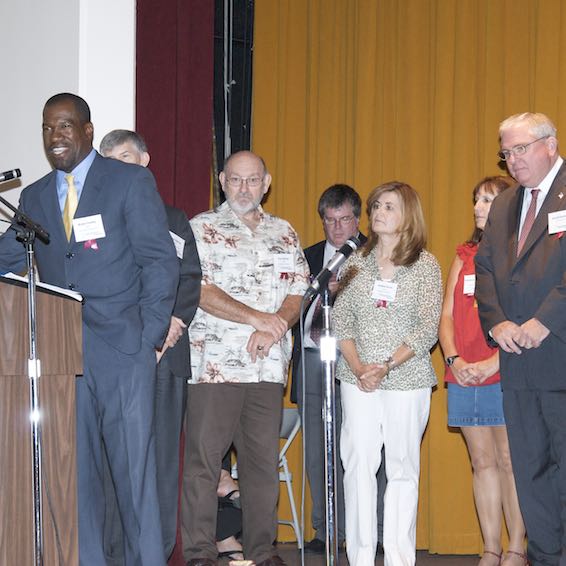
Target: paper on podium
53, 288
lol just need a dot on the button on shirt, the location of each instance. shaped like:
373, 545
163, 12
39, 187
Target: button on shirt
259, 268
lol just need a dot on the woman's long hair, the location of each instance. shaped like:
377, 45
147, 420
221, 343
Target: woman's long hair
412, 232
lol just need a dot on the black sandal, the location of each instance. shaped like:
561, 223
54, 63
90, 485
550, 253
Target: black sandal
235, 501
230, 554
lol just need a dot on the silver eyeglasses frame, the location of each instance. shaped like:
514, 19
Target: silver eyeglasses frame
517, 150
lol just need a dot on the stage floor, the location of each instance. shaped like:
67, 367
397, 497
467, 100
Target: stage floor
292, 557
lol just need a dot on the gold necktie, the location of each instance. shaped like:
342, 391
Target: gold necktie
71, 203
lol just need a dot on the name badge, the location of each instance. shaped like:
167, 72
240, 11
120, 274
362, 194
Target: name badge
469, 284
557, 221
179, 244
88, 228
283, 263
384, 291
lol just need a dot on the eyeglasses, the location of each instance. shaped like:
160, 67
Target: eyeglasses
252, 182
336, 221
517, 150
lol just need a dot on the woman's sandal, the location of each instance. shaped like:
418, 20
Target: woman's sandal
521, 555
229, 498
498, 556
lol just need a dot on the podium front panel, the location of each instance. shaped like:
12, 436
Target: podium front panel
59, 333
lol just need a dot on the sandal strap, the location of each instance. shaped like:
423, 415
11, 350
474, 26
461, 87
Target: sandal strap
520, 554
228, 498
494, 553
230, 553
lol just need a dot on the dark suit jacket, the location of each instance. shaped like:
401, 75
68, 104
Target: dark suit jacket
531, 285
315, 257
178, 358
129, 282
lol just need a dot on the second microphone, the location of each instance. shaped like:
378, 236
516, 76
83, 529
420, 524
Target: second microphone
322, 279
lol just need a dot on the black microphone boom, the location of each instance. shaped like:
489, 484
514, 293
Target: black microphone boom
9, 175
21, 223
322, 279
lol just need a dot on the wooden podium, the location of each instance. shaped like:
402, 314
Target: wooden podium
59, 348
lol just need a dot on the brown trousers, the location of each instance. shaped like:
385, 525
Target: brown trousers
249, 415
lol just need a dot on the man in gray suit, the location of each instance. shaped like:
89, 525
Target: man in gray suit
110, 242
174, 367
521, 293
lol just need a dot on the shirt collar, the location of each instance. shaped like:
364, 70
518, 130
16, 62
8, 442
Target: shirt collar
546, 183
330, 250
79, 174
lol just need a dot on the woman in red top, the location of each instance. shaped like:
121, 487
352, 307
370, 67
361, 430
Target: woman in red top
474, 394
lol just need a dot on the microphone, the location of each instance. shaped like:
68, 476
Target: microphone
9, 175
322, 279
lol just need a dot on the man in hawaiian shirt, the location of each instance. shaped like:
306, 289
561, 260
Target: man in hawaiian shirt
254, 276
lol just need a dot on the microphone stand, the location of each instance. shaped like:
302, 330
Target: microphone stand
27, 231
328, 359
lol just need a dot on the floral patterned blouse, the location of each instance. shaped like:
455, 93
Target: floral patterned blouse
379, 327
258, 268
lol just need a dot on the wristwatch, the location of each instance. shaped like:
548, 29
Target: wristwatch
451, 359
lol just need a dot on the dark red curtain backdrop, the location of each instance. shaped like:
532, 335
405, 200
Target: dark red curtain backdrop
174, 80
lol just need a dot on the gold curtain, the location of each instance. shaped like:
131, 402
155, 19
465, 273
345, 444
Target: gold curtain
365, 91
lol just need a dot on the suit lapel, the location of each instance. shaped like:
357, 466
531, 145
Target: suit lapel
318, 259
51, 209
92, 187
513, 218
552, 202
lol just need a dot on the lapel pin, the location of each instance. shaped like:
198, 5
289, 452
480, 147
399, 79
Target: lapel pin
560, 195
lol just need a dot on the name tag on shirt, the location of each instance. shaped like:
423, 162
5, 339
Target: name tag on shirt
283, 263
384, 291
179, 244
557, 221
88, 228
469, 284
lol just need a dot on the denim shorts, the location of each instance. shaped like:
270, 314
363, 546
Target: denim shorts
475, 406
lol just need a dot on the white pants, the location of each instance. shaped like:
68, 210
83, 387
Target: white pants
396, 419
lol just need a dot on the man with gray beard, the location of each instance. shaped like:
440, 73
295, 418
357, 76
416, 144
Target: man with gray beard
254, 276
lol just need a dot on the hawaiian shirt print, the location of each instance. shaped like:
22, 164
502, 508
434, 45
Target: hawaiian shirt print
258, 268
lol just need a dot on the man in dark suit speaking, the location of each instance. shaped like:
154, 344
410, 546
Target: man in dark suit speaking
109, 242
521, 293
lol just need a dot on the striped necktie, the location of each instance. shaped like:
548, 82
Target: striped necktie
529, 220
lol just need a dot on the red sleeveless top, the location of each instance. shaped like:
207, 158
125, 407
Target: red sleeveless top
468, 335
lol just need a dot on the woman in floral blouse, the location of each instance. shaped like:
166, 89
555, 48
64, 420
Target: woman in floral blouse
386, 319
